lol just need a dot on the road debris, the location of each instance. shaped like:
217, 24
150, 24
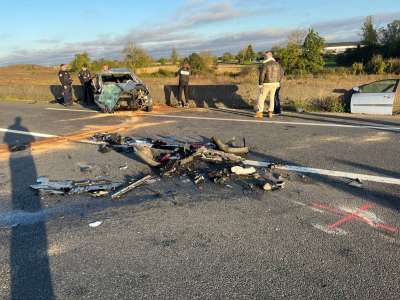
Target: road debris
217, 162
84, 168
356, 183
132, 186
124, 167
95, 224
70, 187
243, 171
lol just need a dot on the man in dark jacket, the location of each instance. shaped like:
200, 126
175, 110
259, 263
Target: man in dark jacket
86, 78
184, 77
270, 76
277, 109
66, 82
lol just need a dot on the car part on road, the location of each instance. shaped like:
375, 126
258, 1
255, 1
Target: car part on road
70, 187
234, 150
132, 186
243, 171
146, 155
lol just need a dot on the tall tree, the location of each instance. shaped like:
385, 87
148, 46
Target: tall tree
136, 57
250, 54
297, 37
227, 57
390, 38
79, 60
174, 56
313, 51
369, 33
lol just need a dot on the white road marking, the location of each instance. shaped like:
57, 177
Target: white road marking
320, 124
379, 179
73, 110
28, 133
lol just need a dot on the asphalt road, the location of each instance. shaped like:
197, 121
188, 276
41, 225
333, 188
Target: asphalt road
318, 238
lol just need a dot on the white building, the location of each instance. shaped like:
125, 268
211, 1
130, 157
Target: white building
338, 48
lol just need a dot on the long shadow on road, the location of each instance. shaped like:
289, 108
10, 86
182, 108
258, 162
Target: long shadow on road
29, 261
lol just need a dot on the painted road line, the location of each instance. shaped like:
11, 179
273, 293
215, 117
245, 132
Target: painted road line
44, 135
73, 110
330, 173
28, 133
317, 124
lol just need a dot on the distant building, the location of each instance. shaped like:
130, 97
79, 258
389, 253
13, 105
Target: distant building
338, 48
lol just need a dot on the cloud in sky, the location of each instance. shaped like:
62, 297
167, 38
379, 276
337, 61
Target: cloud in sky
182, 31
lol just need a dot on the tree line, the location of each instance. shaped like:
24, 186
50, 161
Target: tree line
302, 53
378, 51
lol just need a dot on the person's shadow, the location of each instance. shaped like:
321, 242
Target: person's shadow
29, 261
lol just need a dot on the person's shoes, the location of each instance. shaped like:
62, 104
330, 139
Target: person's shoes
277, 113
270, 115
259, 115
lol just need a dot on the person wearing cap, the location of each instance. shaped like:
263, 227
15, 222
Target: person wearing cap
269, 81
86, 78
66, 82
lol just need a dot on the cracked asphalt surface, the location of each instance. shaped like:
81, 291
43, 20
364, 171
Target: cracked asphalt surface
179, 241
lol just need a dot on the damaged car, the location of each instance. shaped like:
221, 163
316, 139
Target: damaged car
118, 89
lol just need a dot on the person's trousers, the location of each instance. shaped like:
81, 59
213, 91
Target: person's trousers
268, 90
183, 89
67, 94
277, 109
88, 93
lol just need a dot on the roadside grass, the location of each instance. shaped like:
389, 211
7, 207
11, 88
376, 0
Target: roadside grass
323, 92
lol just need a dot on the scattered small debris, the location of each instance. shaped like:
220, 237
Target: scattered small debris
84, 168
100, 194
124, 167
267, 187
243, 171
132, 186
356, 183
95, 224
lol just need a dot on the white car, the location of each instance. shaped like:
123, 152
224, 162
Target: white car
377, 98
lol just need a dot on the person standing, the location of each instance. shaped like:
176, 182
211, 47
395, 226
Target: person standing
66, 82
277, 109
86, 78
270, 76
184, 77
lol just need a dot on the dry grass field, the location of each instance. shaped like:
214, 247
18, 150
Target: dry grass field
323, 92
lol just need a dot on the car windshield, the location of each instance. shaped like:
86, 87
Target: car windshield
383, 86
116, 78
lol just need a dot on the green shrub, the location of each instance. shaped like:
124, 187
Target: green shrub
357, 68
393, 66
328, 104
377, 65
162, 73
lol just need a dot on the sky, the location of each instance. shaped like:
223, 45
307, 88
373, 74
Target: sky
50, 32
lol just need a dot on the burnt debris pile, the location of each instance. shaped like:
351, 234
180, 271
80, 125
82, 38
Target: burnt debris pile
214, 161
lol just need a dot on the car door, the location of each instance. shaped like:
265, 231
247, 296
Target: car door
375, 98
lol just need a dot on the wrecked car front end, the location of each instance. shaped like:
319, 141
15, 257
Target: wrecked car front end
120, 89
